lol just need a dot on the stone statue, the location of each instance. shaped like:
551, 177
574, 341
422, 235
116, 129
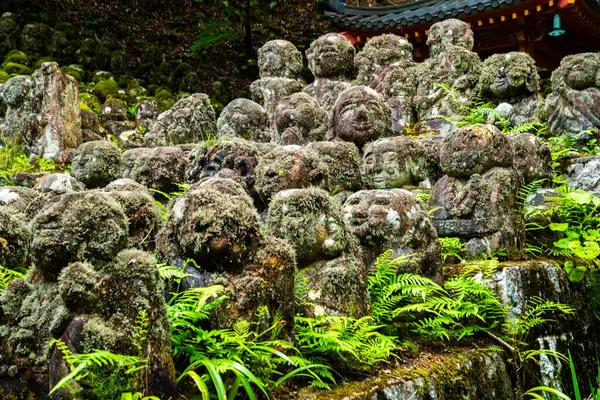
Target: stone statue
510, 82
289, 167
449, 32
331, 60
395, 220
476, 198
328, 256
299, 119
400, 161
243, 118
380, 52
343, 161
280, 69
359, 116
573, 105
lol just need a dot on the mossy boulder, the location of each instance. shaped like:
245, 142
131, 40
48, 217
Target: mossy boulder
4, 76
75, 71
36, 38
23, 199
243, 118
105, 89
41, 60
58, 183
91, 101
160, 168
17, 57
9, 32
14, 238
97, 163
118, 61
87, 225
16, 69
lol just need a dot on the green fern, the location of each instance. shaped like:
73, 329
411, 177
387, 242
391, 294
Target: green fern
8, 275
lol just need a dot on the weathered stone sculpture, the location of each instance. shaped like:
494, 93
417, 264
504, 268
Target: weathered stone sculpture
533, 159
379, 53
511, 83
58, 183
475, 199
449, 32
331, 60
243, 118
359, 116
216, 224
97, 163
146, 113
23, 199
280, 68
398, 162
15, 234
573, 104
190, 120
20, 112
343, 161
299, 119
160, 168
328, 255
395, 220
289, 167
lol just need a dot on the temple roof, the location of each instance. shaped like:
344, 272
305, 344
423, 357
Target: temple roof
420, 12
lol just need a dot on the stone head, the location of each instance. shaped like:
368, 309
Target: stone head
375, 215
311, 221
508, 75
331, 56
299, 119
279, 59
380, 52
474, 150
243, 118
447, 32
289, 167
360, 115
343, 161
462, 66
579, 72
389, 162
97, 163
16, 90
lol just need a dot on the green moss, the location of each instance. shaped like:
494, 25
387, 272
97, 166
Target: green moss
106, 89
4, 76
42, 60
74, 71
17, 69
90, 101
17, 57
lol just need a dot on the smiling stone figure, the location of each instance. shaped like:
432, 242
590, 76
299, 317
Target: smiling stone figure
360, 116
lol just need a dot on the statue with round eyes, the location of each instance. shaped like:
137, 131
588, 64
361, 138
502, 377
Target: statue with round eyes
243, 118
510, 82
359, 116
395, 220
399, 161
289, 167
381, 52
328, 256
446, 87
280, 69
573, 105
331, 60
299, 119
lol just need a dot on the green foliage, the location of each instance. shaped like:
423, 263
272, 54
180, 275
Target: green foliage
137, 396
561, 147
452, 248
7, 275
591, 147
181, 189
13, 160
536, 314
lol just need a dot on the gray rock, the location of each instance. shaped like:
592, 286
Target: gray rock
146, 114
58, 183
97, 163
15, 234
584, 174
533, 159
90, 126
112, 110
160, 168
25, 200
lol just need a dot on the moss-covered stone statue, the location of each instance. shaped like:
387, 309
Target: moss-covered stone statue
476, 198
359, 116
280, 70
343, 161
215, 224
97, 163
160, 168
243, 118
331, 60
510, 82
15, 234
237, 157
331, 270
395, 220
446, 88
533, 158
299, 119
573, 106
379, 53
191, 120
449, 32
401, 161
289, 167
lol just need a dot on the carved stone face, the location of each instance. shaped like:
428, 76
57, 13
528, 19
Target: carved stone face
508, 75
280, 59
299, 119
450, 31
387, 162
245, 119
289, 167
376, 214
381, 52
582, 72
331, 56
359, 116
310, 221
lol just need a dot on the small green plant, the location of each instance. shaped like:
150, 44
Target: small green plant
7, 275
452, 247
181, 189
13, 160
592, 147
137, 396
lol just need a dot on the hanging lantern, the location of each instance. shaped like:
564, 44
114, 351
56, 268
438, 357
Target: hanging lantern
558, 31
